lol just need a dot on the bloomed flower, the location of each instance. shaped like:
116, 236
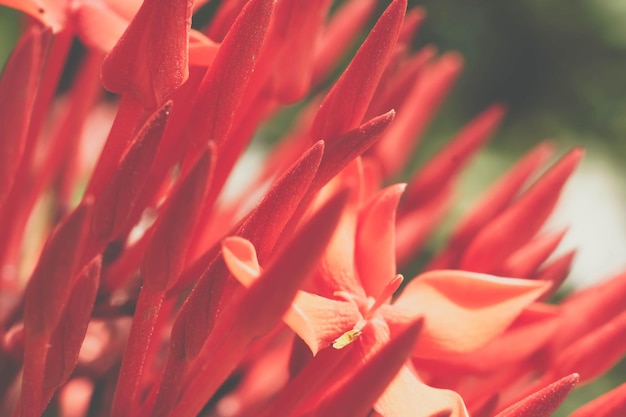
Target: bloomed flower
218, 288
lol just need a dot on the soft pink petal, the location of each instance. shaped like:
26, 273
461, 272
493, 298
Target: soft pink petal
240, 257
406, 396
317, 320
375, 240
464, 310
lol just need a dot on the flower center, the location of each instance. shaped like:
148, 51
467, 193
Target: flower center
367, 307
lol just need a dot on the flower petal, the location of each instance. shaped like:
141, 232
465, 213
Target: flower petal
345, 105
611, 404
374, 252
151, 59
519, 223
543, 402
317, 320
356, 396
493, 202
406, 396
464, 310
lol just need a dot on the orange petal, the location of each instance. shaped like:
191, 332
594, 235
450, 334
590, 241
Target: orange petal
240, 257
375, 240
464, 310
317, 320
407, 396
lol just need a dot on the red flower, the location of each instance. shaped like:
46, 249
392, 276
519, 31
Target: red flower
156, 293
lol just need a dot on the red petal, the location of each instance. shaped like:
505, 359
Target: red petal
343, 150
115, 204
611, 404
46, 296
444, 167
594, 353
150, 61
407, 396
345, 105
164, 259
588, 309
526, 260
67, 338
224, 85
418, 109
519, 223
296, 28
375, 240
317, 320
344, 27
50, 286
356, 396
464, 310
490, 205
543, 402
259, 308
18, 89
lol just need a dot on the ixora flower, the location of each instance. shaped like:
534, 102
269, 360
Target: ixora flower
155, 293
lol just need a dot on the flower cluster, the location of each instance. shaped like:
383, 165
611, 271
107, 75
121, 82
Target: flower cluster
133, 285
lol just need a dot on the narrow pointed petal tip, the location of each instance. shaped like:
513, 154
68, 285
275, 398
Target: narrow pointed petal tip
543, 402
230, 73
345, 105
520, 221
150, 61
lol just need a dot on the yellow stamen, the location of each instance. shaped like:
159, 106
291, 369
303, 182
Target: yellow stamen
346, 338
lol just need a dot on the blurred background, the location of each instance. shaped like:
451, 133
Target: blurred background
560, 67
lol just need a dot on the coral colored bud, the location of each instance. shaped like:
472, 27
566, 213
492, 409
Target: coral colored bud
543, 402
346, 103
151, 59
18, 89
165, 255
115, 204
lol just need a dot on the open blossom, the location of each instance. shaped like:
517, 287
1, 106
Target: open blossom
132, 284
